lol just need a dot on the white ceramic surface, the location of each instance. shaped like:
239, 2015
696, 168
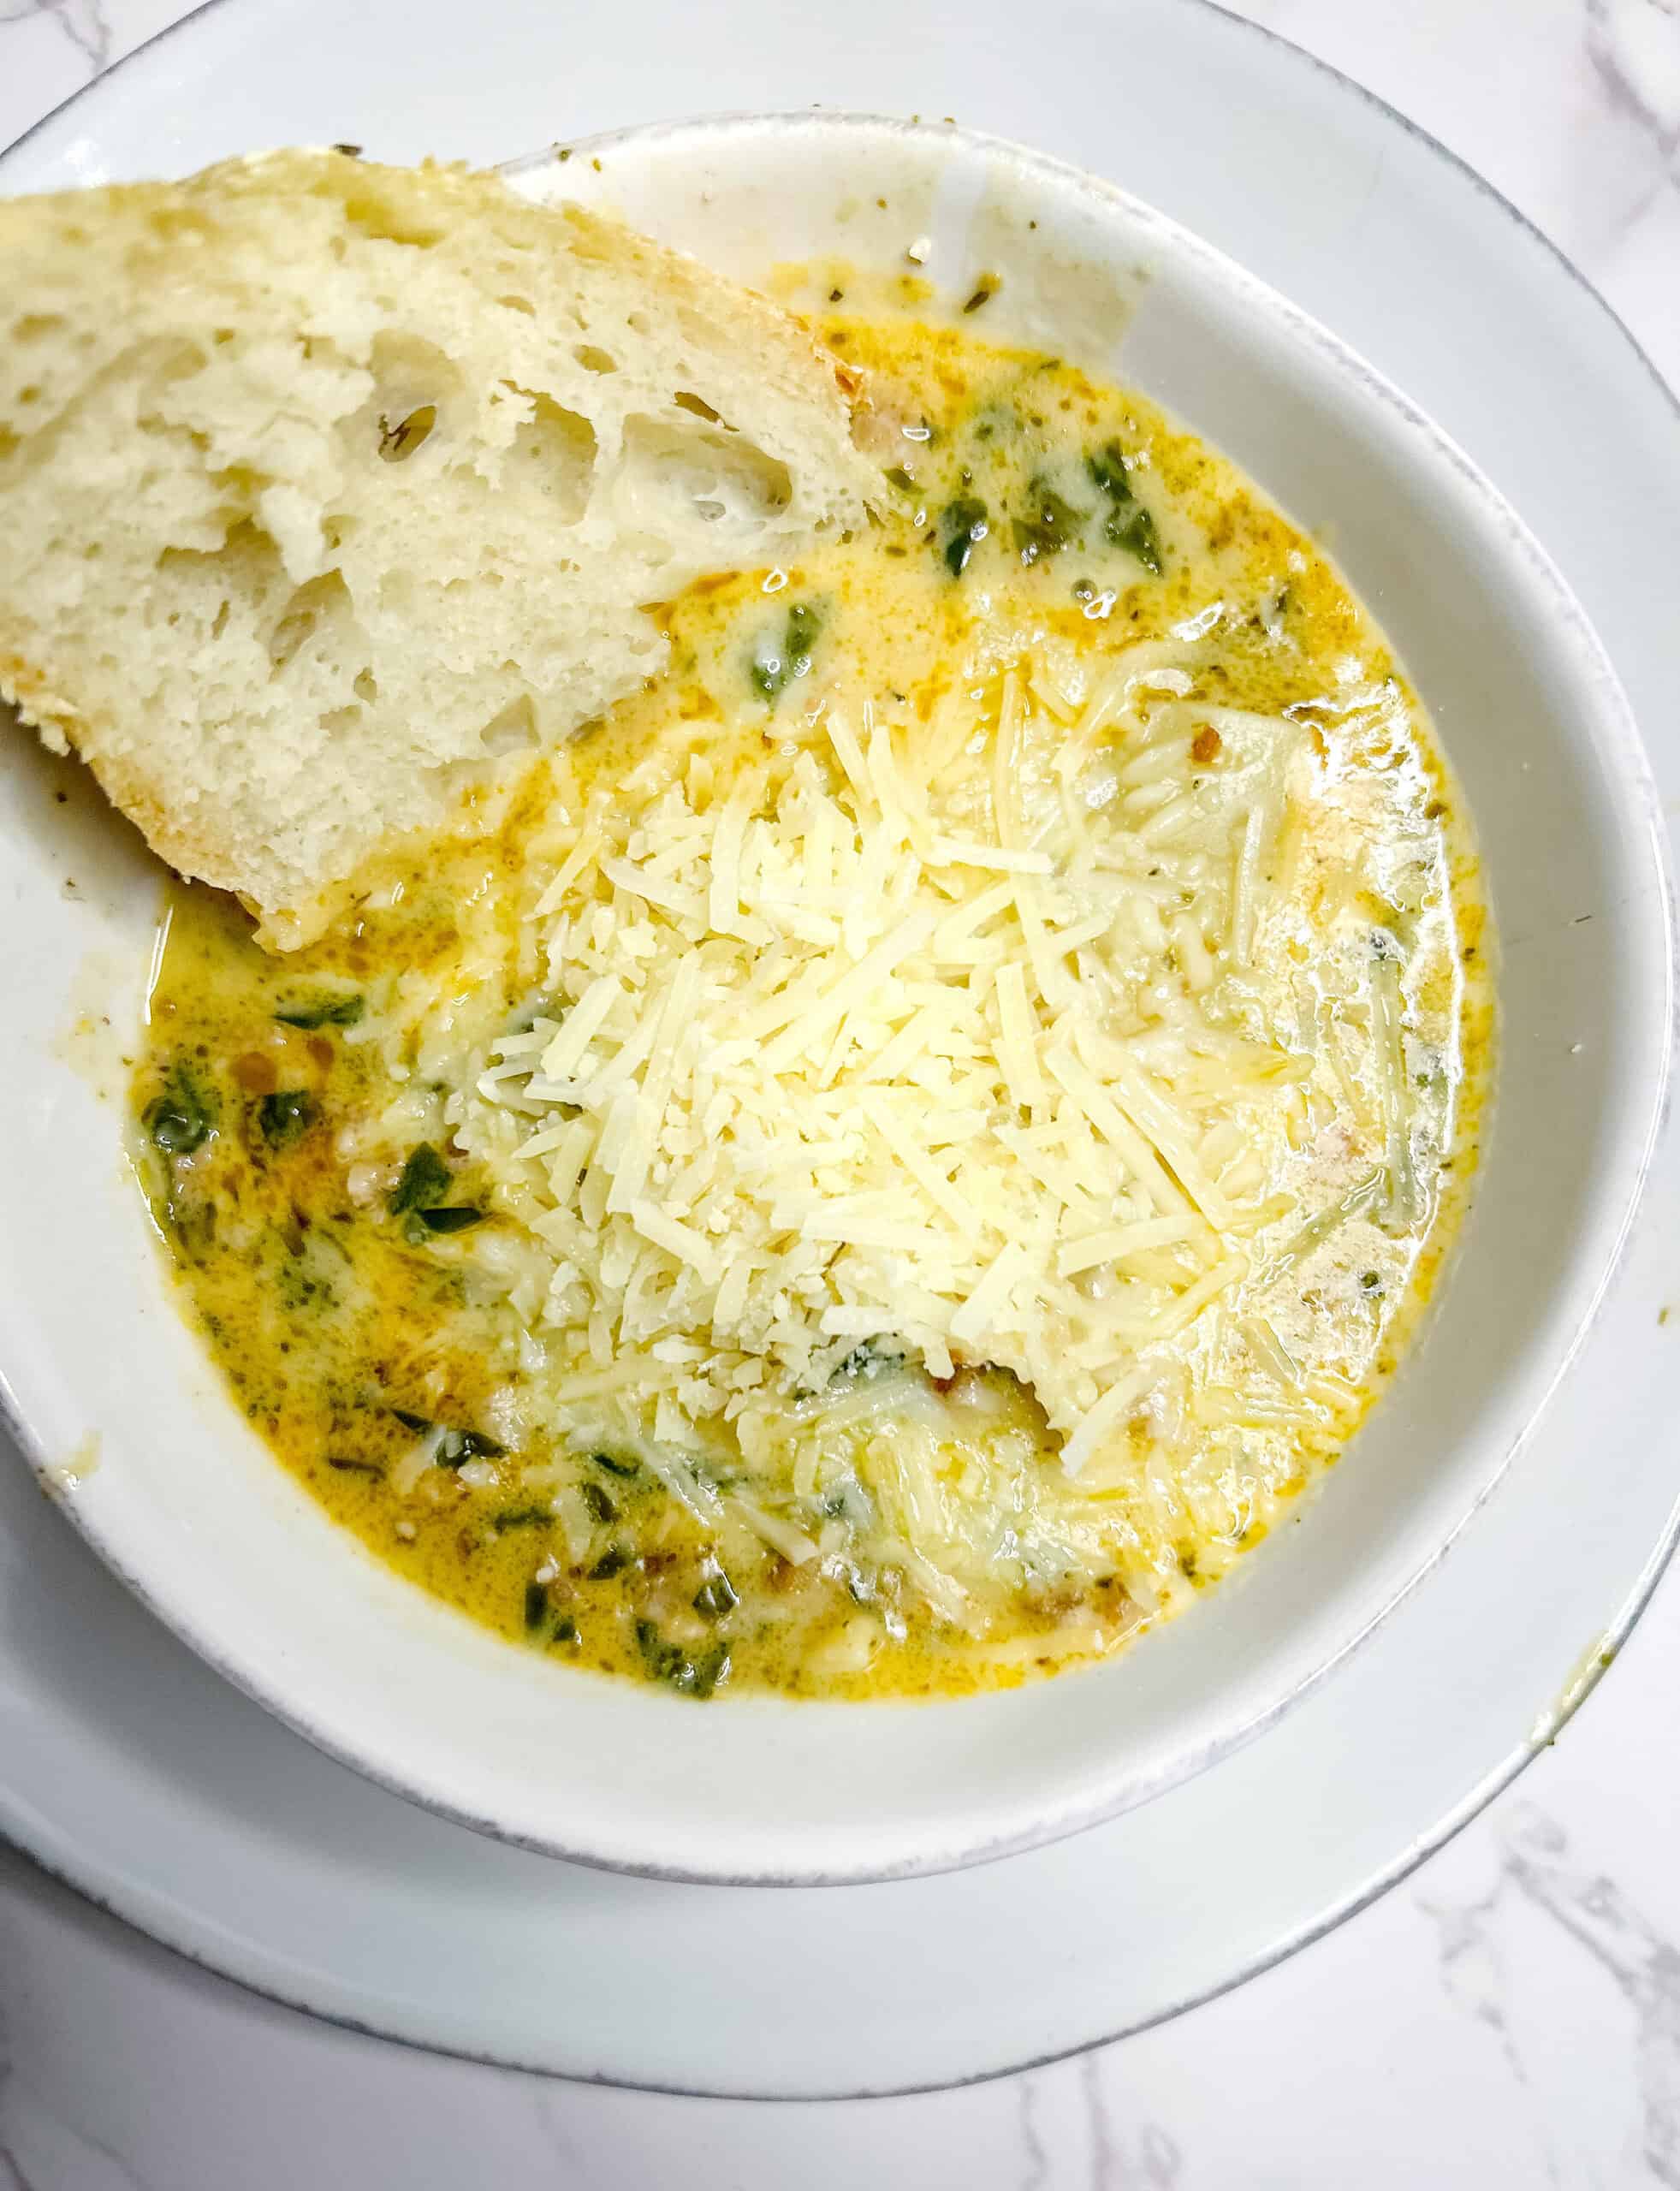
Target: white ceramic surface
1612, 1481
189, 1509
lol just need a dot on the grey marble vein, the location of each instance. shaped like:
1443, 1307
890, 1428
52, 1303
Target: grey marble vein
82, 22
1107, 2170
1037, 2177
1150, 2160
1473, 1967
1644, 1965
11, 2176
26, 2124
1536, 1868
96, 2166
1634, 47
1144, 2157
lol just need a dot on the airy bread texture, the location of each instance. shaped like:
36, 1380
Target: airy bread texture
329, 490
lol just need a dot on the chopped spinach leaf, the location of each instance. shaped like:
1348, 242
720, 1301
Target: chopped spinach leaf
183, 1117
425, 1176
324, 1011
1108, 469
456, 1446
454, 1218
1049, 526
601, 1507
1129, 526
965, 522
690, 1673
520, 1517
777, 663
461, 1445
1134, 530
192, 1219
803, 625
715, 1596
286, 1116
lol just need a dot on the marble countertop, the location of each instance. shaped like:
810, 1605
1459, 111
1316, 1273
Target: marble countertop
1510, 2016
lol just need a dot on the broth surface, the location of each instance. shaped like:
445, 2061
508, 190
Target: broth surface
1144, 769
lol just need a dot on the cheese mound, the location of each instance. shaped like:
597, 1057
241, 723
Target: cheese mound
899, 1040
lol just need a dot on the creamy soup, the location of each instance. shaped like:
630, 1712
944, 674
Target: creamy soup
887, 1165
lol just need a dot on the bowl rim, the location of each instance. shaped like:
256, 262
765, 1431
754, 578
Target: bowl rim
1632, 773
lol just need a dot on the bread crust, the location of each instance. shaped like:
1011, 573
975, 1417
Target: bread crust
330, 492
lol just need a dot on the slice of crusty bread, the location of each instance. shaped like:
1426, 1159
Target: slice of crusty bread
324, 488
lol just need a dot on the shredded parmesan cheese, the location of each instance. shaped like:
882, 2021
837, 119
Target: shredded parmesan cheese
830, 1065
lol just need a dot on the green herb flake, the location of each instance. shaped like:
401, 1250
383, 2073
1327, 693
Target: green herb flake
419, 1424
457, 1217
565, 1632
183, 1117
347, 1466
690, 1673
324, 1011
601, 1507
459, 1447
778, 663
520, 1517
965, 522
613, 1561
535, 1607
898, 477
715, 1596
614, 1466
1049, 526
1133, 529
1108, 469
1128, 525
287, 1116
426, 1178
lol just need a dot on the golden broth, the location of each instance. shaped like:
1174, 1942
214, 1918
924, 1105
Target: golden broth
383, 1292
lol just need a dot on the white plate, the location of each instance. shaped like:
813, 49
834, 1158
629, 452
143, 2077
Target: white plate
133, 1770
769, 1792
